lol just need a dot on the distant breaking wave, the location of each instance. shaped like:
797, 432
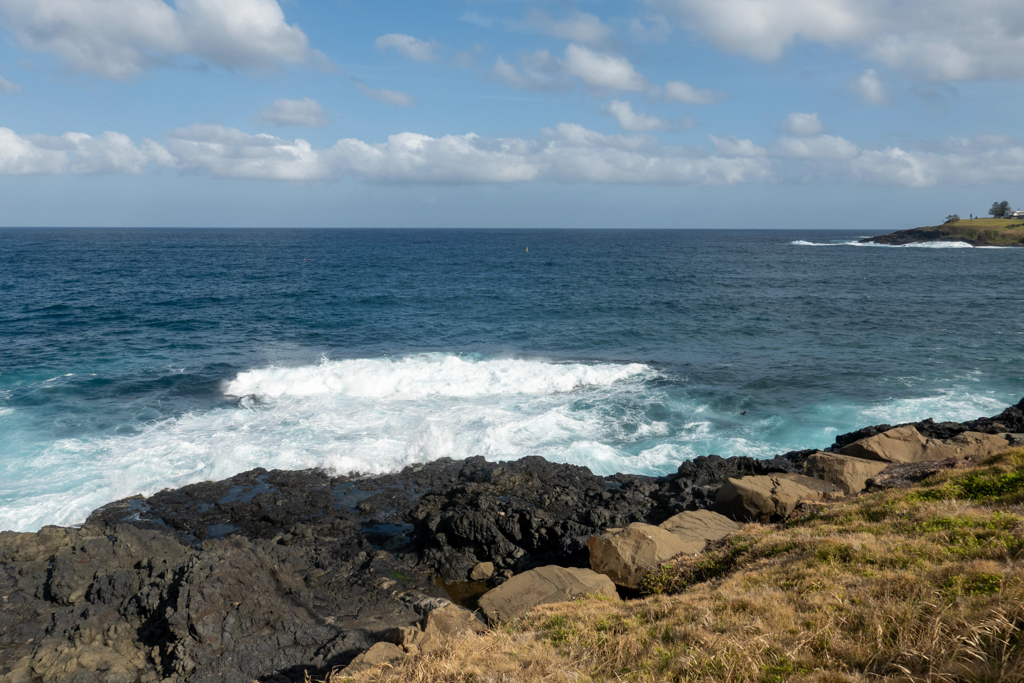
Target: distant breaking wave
924, 245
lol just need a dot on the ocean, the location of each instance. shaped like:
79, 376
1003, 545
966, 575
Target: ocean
137, 360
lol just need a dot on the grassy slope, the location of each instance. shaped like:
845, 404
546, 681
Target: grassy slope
981, 231
925, 584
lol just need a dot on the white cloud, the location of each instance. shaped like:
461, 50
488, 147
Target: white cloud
394, 97
230, 153
598, 70
828, 147
678, 91
764, 28
7, 87
578, 27
869, 86
941, 40
568, 153
119, 39
602, 70
735, 147
893, 165
802, 124
409, 157
75, 153
306, 112
634, 121
413, 48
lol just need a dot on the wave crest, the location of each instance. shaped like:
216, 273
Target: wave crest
431, 375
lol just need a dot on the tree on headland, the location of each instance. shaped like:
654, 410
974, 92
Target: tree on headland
999, 209
952, 218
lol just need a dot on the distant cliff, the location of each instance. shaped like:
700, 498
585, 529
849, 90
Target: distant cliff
980, 232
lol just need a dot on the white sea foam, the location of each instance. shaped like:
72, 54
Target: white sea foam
379, 415
430, 375
367, 415
918, 245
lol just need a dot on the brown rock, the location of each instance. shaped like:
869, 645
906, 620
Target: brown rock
698, 527
628, 556
848, 473
907, 445
481, 571
452, 619
381, 653
543, 586
412, 639
978, 446
770, 498
902, 444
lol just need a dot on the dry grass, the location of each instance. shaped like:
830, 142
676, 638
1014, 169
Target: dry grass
996, 230
921, 585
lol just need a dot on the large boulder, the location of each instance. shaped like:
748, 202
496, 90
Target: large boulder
695, 528
978, 446
770, 498
629, 555
907, 445
543, 586
848, 473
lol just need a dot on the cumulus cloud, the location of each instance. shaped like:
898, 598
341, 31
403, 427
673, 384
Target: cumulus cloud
567, 153
734, 147
578, 27
231, 153
802, 124
394, 97
415, 49
602, 70
597, 70
828, 147
634, 121
870, 88
678, 91
76, 153
942, 40
764, 28
7, 87
119, 39
306, 112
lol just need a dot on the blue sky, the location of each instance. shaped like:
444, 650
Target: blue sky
847, 114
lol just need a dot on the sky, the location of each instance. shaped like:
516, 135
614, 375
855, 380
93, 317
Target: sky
839, 114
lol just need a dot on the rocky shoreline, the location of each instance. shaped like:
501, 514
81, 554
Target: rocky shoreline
1010, 236
270, 574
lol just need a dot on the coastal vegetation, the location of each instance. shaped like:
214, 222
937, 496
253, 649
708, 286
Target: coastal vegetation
918, 584
997, 232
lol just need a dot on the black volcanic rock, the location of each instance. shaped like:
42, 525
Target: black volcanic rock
266, 575
270, 574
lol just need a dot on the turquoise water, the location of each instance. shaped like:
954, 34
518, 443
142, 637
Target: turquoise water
135, 360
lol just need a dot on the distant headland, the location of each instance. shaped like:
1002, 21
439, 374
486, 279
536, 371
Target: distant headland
1004, 229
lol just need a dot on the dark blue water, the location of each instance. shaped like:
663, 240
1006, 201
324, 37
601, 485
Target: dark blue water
132, 360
